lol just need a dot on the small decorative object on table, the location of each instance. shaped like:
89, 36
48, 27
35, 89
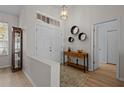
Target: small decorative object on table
79, 51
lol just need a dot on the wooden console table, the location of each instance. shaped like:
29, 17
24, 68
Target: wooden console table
82, 55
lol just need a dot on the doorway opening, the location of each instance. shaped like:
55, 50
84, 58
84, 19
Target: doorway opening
106, 46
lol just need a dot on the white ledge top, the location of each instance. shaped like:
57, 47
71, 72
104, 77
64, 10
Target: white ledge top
45, 61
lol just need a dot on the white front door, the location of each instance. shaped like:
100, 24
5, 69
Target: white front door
56, 45
48, 43
43, 42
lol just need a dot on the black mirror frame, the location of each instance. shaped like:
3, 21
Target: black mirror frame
70, 39
79, 36
72, 29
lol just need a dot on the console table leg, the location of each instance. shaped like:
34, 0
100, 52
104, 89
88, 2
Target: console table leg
64, 59
84, 64
87, 63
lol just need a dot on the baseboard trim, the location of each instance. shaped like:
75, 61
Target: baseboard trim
5, 66
121, 79
29, 78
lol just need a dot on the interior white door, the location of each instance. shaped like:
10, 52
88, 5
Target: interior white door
95, 55
101, 43
112, 46
99, 46
106, 42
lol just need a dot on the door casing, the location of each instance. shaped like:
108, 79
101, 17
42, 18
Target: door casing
92, 44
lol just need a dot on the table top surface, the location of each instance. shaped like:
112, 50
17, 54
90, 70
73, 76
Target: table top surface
75, 52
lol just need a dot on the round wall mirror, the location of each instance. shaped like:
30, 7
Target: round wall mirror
74, 30
70, 39
82, 36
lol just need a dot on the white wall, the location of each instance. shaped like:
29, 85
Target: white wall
27, 22
80, 16
85, 17
42, 73
12, 21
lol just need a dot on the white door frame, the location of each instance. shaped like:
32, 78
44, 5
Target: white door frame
92, 44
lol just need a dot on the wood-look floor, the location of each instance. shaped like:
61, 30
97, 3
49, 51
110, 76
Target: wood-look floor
105, 76
9, 79
71, 77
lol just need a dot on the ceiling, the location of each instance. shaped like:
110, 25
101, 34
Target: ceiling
15, 9
59, 6
10, 9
